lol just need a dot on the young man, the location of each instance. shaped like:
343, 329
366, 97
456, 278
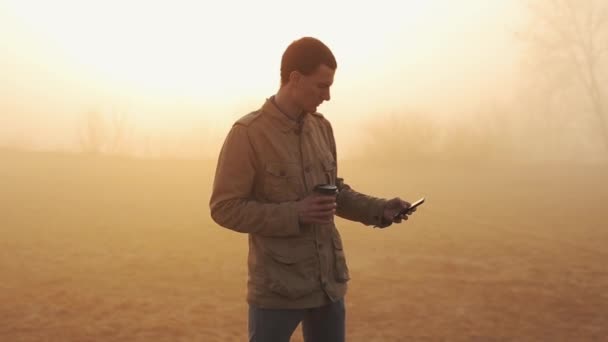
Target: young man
268, 166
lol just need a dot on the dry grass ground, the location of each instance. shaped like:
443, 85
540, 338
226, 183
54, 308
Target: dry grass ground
103, 249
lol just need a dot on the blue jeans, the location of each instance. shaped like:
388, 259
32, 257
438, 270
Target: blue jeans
322, 324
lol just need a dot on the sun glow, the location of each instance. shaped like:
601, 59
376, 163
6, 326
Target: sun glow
183, 67
198, 48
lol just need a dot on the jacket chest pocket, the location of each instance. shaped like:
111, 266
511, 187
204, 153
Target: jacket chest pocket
282, 181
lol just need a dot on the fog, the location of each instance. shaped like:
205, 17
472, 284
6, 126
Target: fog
493, 111
474, 80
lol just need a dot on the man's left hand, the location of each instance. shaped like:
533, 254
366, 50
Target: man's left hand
392, 209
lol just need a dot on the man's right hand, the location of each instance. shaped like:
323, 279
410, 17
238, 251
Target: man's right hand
316, 209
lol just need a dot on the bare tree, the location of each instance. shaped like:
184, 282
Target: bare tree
122, 132
99, 136
569, 41
93, 135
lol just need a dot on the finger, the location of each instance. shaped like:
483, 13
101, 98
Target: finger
398, 202
319, 220
403, 217
324, 207
323, 213
323, 216
398, 214
324, 199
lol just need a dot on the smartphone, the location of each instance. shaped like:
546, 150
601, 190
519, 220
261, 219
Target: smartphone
414, 205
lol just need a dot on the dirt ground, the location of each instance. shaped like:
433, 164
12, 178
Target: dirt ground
110, 249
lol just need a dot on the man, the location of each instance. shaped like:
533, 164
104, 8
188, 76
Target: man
268, 166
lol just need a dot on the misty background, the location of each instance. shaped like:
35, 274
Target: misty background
433, 80
494, 111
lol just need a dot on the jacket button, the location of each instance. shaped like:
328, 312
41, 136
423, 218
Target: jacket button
307, 169
320, 245
282, 173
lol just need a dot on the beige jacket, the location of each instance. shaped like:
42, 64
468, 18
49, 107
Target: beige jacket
268, 162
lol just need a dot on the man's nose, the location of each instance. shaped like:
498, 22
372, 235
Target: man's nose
326, 95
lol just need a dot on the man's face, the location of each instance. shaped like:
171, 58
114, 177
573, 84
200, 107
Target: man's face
311, 90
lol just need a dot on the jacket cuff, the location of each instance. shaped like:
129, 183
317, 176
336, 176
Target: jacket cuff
377, 214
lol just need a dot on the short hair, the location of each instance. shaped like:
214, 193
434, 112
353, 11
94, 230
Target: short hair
305, 55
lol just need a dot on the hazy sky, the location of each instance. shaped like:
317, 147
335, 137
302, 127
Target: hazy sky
184, 70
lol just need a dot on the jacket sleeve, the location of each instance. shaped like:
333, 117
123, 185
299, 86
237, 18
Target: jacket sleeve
232, 204
356, 206
359, 207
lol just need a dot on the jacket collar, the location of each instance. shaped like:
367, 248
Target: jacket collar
286, 123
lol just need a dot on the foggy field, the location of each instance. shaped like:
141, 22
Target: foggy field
111, 249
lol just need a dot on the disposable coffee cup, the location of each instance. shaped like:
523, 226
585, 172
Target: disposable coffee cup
326, 189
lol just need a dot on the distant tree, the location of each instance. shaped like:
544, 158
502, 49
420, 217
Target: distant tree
98, 136
92, 134
568, 45
408, 136
484, 135
121, 134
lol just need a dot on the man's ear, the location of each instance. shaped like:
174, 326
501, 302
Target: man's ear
294, 77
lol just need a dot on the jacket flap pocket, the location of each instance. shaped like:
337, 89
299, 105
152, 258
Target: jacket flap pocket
285, 252
281, 169
288, 259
